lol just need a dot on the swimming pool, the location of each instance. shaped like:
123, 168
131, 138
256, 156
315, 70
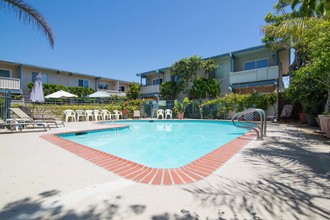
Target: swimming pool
161, 143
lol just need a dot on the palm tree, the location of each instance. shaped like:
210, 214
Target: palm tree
310, 8
282, 29
285, 30
28, 14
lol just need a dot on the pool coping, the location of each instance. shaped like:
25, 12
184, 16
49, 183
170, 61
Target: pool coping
192, 172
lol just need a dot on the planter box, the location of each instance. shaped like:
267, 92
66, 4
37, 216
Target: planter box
325, 124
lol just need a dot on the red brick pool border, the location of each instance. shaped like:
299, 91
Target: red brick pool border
194, 171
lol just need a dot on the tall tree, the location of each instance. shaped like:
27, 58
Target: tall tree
169, 90
311, 8
133, 91
302, 29
283, 28
203, 88
27, 13
186, 69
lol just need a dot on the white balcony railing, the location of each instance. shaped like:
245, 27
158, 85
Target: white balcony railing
113, 92
10, 83
255, 75
149, 89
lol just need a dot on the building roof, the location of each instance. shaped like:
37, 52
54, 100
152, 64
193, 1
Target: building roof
213, 57
58, 70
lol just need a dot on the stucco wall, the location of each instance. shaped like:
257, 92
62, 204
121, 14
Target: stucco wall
241, 59
62, 78
225, 61
12, 68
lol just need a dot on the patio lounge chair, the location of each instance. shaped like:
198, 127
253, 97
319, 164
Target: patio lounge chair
23, 117
7, 124
39, 116
285, 114
16, 124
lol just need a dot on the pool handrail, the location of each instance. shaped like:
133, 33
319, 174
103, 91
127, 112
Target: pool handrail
261, 132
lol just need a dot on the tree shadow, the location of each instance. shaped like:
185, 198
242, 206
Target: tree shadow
293, 179
38, 208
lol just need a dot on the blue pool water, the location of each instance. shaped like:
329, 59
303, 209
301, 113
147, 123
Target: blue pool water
162, 143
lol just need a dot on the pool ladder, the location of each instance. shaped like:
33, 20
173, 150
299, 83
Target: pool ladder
260, 130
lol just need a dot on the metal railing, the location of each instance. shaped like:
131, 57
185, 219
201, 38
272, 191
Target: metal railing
261, 131
254, 75
10, 83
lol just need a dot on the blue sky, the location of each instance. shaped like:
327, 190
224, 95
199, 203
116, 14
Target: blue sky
118, 39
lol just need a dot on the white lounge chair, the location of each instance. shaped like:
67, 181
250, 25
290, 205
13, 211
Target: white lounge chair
9, 124
168, 112
23, 117
16, 124
160, 112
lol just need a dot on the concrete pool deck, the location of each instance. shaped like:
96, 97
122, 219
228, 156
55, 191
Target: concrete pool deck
285, 176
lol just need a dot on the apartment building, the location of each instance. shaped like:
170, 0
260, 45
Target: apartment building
14, 77
243, 71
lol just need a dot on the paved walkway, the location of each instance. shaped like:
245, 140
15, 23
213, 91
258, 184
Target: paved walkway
286, 176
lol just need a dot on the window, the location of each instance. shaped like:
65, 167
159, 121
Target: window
121, 88
4, 73
262, 63
104, 86
174, 79
250, 65
43, 75
157, 81
83, 83
256, 64
219, 72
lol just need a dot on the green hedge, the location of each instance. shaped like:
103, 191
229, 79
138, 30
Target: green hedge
57, 110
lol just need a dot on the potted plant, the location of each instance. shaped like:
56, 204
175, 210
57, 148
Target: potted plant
125, 113
180, 107
312, 108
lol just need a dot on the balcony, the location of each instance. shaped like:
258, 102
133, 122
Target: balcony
262, 74
149, 89
113, 92
10, 83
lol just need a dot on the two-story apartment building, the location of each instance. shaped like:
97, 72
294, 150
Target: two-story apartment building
14, 77
257, 68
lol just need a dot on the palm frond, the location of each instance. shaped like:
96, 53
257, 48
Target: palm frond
28, 14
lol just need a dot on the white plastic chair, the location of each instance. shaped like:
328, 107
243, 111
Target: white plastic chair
81, 114
160, 112
69, 114
106, 115
137, 114
89, 114
97, 114
168, 112
118, 114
